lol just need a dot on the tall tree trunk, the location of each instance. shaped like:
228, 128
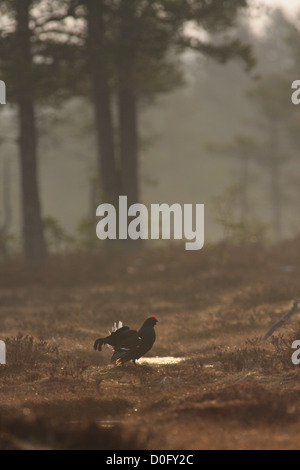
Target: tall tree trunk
128, 144
275, 186
33, 237
276, 201
102, 101
6, 210
244, 183
128, 124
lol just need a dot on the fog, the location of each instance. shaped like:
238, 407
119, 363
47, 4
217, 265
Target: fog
176, 131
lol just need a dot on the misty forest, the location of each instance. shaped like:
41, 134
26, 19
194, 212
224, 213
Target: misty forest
164, 102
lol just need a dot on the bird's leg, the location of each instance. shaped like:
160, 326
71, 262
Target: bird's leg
119, 362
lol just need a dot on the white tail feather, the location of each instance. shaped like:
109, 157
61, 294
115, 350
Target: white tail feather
115, 327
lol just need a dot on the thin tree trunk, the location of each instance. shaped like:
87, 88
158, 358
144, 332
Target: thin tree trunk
128, 124
102, 101
93, 193
6, 209
276, 198
275, 186
244, 183
128, 144
33, 237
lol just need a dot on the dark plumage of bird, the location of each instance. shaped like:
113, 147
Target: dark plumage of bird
129, 345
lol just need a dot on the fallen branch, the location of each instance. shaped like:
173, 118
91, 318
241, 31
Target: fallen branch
282, 319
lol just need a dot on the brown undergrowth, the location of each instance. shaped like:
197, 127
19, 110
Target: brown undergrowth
231, 390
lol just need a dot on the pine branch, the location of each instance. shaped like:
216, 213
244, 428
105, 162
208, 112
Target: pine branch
220, 52
71, 12
282, 319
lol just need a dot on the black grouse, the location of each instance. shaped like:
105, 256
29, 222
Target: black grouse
129, 345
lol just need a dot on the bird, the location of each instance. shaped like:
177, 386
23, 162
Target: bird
129, 345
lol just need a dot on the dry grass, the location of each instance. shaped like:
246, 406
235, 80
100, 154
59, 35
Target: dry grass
234, 390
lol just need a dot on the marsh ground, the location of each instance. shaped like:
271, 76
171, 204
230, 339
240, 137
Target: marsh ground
233, 390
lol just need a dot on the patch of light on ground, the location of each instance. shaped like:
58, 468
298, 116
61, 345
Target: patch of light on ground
161, 360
